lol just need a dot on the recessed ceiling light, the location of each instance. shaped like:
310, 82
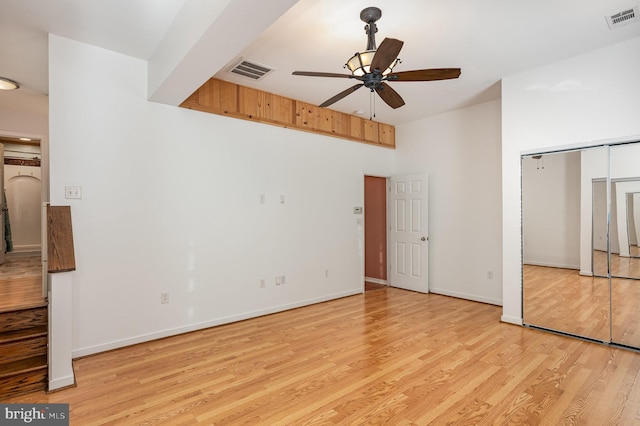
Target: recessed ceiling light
6, 84
25, 139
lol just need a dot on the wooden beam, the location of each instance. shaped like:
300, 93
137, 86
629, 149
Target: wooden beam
224, 98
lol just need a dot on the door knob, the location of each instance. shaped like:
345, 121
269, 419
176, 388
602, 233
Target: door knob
423, 239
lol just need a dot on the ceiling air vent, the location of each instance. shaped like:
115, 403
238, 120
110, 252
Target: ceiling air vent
623, 18
250, 69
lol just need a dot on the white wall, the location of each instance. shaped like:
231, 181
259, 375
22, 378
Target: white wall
576, 102
551, 210
460, 151
594, 209
19, 122
170, 203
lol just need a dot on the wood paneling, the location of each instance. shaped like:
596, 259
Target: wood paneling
387, 356
219, 97
387, 134
371, 131
61, 256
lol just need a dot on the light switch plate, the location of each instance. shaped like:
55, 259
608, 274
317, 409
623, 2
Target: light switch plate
73, 192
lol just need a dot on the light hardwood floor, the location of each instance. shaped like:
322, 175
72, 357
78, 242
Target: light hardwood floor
21, 266
384, 357
21, 282
561, 299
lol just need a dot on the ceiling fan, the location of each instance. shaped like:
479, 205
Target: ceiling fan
374, 67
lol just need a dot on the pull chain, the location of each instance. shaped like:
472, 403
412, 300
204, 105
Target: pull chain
372, 106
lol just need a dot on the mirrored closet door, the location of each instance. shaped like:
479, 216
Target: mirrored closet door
625, 264
560, 211
581, 243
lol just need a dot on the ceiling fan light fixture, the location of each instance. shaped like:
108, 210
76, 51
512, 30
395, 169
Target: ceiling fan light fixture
7, 84
360, 63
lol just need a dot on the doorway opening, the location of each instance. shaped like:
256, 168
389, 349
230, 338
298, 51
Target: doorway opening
396, 232
375, 233
23, 174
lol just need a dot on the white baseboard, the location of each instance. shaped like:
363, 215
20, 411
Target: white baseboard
26, 248
472, 297
376, 281
61, 382
511, 320
24, 253
586, 273
90, 350
552, 265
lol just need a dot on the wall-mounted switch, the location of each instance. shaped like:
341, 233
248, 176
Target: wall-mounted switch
357, 210
73, 192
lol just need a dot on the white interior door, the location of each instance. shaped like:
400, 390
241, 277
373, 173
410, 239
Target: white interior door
408, 244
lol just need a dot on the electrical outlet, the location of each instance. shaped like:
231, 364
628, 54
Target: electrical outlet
283, 280
326, 273
489, 275
263, 283
164, 297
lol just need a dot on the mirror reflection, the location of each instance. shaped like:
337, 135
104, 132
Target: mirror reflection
633, 218
560, 212
625, 263
581, 243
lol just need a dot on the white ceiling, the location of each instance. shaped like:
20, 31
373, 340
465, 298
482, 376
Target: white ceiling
488, 39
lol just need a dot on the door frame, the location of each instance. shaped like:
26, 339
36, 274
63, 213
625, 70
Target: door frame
362, 224
361, 233
44, 172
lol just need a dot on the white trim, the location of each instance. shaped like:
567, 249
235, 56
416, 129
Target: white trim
376, 281
27, 248
466, 296
61, 382
581, 145
90, 350
552, 265
511, 320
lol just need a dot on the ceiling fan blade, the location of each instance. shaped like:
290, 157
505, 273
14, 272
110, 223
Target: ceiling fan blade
340, 95
390, 96
425, 75
321, 74
386, 53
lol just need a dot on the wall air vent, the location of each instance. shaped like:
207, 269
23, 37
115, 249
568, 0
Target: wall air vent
250, 69
623, 18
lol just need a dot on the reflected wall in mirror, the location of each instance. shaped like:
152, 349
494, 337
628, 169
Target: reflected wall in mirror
625, 266
633, 218
600, 228
559, 290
